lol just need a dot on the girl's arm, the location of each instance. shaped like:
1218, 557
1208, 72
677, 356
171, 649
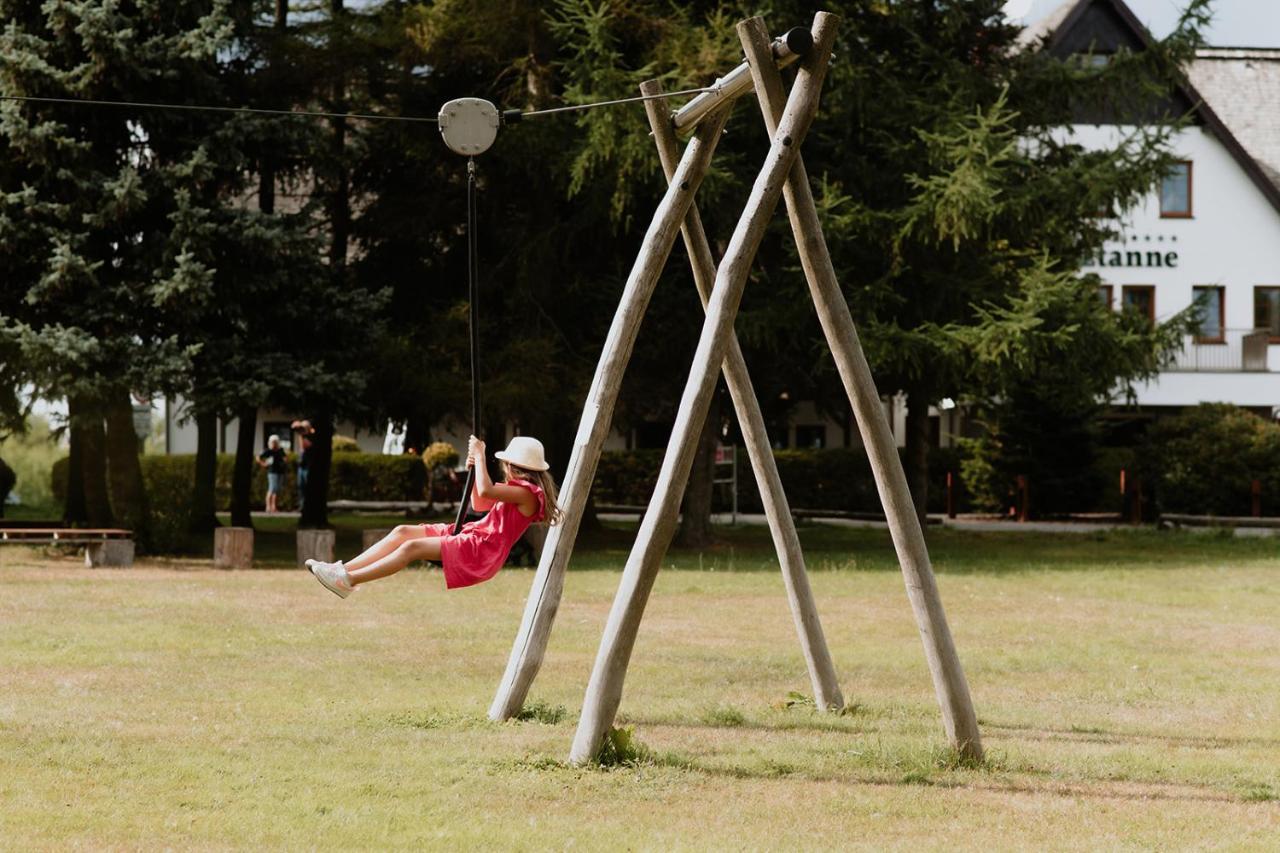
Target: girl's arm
479, 500
486, 493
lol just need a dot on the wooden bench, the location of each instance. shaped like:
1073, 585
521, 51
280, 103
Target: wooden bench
102, 546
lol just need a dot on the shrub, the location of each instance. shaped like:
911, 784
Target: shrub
374, 477
345, 444
1204, 460
353, 476
7, 479
626, 476
168, 481
31, 456
829, 478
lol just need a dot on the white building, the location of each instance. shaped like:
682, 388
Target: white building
1212, 232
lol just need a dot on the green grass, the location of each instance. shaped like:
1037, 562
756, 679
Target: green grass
1128, 687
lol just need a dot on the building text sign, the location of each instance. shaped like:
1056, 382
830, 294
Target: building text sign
1110, 257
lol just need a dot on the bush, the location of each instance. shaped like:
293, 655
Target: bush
353, 476
7, 479
345, 444
830, 478
626, 476
168, 481
31, 455
1204, 460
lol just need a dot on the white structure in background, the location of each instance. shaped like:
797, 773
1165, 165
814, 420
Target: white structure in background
1211, 234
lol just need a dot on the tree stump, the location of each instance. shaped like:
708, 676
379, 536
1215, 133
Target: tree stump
233, 547
315, 544
113, 553
370, 537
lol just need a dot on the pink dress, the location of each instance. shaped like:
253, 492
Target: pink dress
478, 550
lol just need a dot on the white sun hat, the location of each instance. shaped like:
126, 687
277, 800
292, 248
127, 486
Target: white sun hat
525, 452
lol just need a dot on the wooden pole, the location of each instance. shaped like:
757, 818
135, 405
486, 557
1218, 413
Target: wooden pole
822, 672
548, 583
604, 692
959, 719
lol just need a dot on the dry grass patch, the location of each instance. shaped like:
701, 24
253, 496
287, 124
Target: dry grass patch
1128, 699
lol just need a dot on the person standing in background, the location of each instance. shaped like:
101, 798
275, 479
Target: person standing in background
273, 459
305, 431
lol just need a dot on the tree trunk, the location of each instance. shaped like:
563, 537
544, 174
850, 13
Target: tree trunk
339, 192
242, 476
124, 471
7, 481
315, 506
76, 508
416, 434
917, 452
204, 517
695, 512
86, 423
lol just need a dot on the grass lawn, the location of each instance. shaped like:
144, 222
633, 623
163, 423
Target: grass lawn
1128, 686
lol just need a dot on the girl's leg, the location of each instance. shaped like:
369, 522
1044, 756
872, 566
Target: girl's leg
426, 548
271, 501
398, 536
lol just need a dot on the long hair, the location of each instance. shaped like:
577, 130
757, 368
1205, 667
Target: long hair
543, 480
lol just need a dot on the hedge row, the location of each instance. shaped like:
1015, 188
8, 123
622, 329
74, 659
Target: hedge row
353, 476
834, 479
1202, 461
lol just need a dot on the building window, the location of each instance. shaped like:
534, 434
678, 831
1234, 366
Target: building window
1106, 293
1140, 298
1266, 311
1210, 301
1175, 192
811, 435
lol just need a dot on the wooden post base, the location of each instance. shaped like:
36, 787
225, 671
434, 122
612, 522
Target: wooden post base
233, 547
113, 553
315, 545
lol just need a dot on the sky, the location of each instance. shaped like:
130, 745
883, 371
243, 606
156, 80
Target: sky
1236, 23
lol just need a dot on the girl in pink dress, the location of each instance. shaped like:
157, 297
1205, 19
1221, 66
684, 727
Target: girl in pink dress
475, 553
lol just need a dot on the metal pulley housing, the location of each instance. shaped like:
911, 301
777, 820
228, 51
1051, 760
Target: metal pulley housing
469, 125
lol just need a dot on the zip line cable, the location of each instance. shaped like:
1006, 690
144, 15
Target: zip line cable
576, 107
510, 114
213, 109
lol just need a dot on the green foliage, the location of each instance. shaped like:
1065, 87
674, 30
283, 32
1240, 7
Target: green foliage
795, 699
345, 444
440, 454
724, 715
7, 479
1204, 460
355, 476
626, 476
829, 478
542, 712
31, 454
621, 748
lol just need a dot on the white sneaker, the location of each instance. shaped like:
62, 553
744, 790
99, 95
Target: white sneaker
333, 576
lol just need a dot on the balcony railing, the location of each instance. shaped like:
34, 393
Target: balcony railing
1238, 350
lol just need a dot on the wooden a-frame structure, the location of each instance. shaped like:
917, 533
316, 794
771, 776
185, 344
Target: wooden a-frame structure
783, 176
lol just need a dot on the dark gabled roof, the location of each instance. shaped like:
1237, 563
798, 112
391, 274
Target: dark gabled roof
1073, 27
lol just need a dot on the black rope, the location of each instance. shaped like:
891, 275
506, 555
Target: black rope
473, 296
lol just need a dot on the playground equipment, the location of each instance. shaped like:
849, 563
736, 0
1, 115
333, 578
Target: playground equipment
783, 176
